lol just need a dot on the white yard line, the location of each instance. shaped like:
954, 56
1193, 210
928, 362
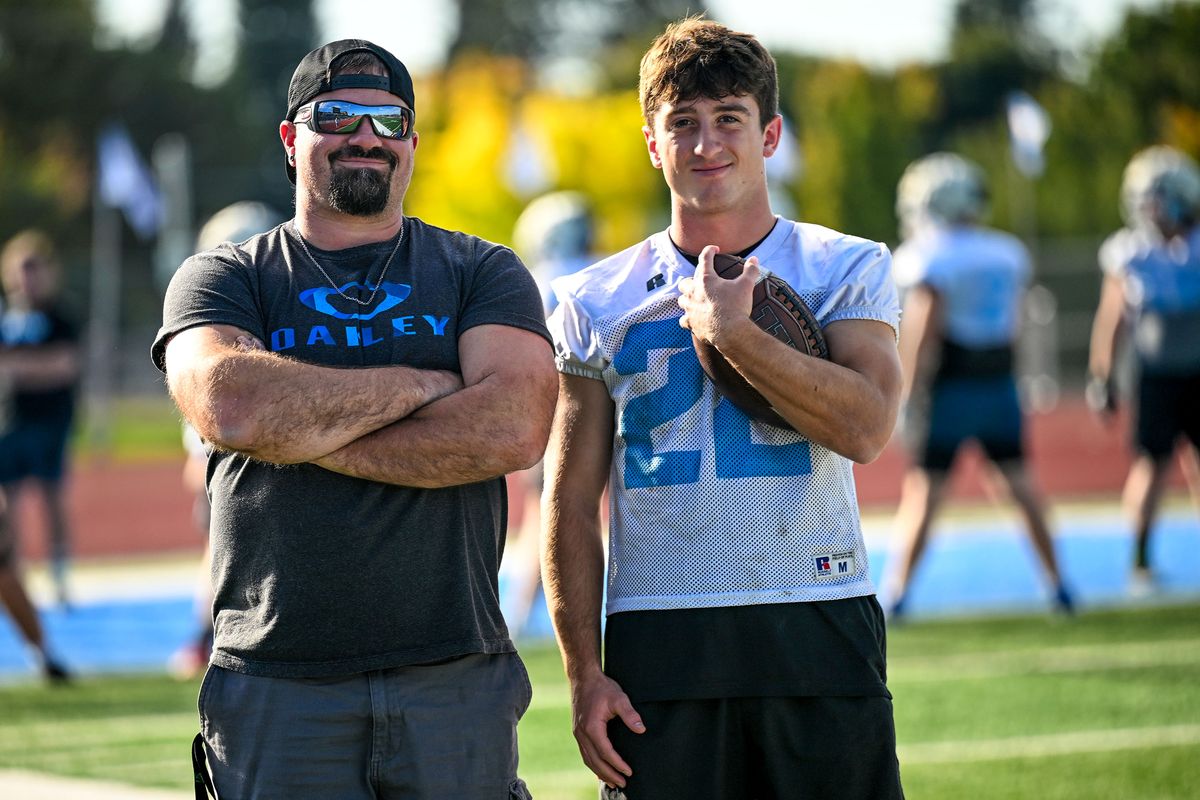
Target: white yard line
1071, 658
1047, 745
17, 783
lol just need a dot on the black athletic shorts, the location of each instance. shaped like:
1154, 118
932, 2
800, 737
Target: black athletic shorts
761, 748
1167, 406
957, 410
34, 450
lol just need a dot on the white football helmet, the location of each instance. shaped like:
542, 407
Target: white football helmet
940, 189
236, 223
1161, 190
555, 226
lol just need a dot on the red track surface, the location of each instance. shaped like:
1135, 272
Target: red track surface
124, 509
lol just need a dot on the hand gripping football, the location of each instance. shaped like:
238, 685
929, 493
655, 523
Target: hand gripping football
779, 311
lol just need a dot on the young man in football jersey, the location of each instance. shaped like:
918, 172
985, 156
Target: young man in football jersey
963, 289
1151, 294
744, 647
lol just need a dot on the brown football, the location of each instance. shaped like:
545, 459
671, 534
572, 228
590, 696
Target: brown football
779, 311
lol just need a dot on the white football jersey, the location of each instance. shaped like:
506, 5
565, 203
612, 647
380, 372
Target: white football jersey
708, 507
1162, 296
981, 275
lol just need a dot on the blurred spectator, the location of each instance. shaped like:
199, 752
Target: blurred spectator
1151, 293
13, 595
39, 365
963, 286
234, 223
554, 236
14, 598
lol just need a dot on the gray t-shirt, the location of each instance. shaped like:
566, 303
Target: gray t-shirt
320, 574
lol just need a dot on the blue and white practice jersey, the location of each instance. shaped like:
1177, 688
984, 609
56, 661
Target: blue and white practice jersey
709, 508
980, 275
1162, 296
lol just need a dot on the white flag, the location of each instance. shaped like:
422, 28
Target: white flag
1028, 129
126, 182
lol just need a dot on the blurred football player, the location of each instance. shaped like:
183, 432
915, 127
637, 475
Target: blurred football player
963, 286
39, 361
744, 651
554, 236
233, 223
1150, 296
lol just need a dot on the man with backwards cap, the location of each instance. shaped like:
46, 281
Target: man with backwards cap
363, 381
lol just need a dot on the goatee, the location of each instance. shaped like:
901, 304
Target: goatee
360, 192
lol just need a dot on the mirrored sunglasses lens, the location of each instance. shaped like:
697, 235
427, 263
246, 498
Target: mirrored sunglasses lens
335, 117
393, 125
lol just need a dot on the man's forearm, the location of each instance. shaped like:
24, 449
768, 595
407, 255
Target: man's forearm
573, 576
831, 404
41, 368
480, 432
284, 411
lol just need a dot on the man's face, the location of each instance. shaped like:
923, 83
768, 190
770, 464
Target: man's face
712, 151
360, 173
31, 281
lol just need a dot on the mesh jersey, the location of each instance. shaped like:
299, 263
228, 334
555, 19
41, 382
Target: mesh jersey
980, 275
707, 507
1162, 294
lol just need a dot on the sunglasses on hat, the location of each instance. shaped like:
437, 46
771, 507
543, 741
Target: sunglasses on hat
342, 116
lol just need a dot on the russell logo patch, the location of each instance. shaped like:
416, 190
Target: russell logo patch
836, 565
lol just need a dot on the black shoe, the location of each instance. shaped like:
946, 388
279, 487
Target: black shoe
1064, 602
55, 673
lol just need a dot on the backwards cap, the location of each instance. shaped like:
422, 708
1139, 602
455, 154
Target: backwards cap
312, 77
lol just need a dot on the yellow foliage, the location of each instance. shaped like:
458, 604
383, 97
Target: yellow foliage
1182, 128
468, 121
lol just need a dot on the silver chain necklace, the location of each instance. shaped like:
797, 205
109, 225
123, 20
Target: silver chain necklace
337, 288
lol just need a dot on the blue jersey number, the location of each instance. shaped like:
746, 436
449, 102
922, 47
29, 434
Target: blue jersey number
737, 455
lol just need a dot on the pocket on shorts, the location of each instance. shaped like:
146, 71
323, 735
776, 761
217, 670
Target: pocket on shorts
526, 694
203, 701
517, 790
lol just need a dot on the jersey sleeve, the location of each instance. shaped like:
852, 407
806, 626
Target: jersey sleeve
910, 265
865, 288
576, 347
210, 288
1115, 253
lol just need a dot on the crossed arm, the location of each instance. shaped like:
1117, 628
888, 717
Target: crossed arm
577, 463
48, 366
848, 403
360, 421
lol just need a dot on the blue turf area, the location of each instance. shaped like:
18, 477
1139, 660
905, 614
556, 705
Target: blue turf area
980, 564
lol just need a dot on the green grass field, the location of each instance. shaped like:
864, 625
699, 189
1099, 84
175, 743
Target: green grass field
1103, 706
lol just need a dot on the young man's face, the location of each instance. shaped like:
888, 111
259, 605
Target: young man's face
712, 152
358, 173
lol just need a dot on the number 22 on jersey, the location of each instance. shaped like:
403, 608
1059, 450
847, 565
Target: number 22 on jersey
736, 454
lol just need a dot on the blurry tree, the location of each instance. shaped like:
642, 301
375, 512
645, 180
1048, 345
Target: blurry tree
591, 143
858, 130
1152, 65
581, 36
244, 138
60, 87
995, 47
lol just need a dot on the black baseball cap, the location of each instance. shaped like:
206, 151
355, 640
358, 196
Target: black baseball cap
312, 77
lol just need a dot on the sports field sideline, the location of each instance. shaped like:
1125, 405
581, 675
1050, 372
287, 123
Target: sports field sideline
995, 698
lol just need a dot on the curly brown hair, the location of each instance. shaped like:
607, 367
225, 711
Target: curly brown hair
696, 57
